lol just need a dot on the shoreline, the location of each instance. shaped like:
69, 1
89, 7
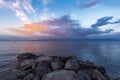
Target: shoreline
28, 63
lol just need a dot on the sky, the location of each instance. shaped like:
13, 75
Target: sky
59, 19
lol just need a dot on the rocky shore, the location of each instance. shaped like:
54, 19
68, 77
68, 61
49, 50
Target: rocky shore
34, 67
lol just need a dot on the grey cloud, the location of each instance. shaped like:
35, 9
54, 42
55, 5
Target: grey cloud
66, 28
118, 21
71, 28
88, 4
64, 21
104, 21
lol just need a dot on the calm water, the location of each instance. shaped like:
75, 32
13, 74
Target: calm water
103, 53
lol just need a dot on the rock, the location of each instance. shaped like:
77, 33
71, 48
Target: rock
61, 75
56, 64
42, 68
23, 74
101, 69
63, 59
72, 64
86, 64
36, 78
117, 79
88, 72
29, 77
97, 75
44, 58
26, 56
26, 64
107, 76
83, 76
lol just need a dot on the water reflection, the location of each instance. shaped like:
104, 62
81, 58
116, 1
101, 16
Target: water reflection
104, 53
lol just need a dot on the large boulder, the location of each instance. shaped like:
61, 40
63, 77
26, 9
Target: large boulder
44, 58
61, 75
102, 70
42, 68
86, 64
56, 64
117, 79
83, 76
29, 77
23, 74
72, 64
97, 75
26, 64
64, 59
26, 56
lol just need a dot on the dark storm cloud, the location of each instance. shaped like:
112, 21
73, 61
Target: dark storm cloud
104, 21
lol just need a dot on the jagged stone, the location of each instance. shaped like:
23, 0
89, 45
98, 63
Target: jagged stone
97, 75
86, 64
56, 64
83, 76
72, 64
61, 75
26, 56
42, 68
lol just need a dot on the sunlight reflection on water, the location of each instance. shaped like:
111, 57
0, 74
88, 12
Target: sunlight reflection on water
103, 53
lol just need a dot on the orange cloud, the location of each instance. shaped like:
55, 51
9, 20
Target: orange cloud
31, 29
20, 31
35, 28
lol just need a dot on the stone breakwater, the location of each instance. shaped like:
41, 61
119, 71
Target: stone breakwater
33, 67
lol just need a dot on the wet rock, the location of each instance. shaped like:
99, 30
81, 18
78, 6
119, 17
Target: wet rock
23, 74
29, 77
26, 56
101, 69
44, 58
107, 76
97, 75
86, 64
26, 64
56, 64
64, 59
61, 75
42, 68
117, 79
72, 64
83, 76
88, 72
36, 78
32, 67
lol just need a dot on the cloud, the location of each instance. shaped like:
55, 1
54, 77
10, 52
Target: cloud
118, 21
45, 2
104, 21
47, 14
30, 29
88, 4
101, 22
21, 8
63, 27
25, 10
1, 2
27, 6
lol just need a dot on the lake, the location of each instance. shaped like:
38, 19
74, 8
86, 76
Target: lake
101, 53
